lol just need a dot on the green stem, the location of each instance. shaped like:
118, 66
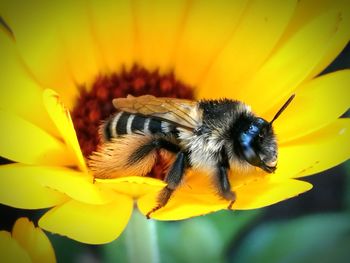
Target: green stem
141, 239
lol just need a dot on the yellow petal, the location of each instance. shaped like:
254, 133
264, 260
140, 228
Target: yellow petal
40, 44
259, 29
22, 190
316, 152
80, 45
113, 27
11, 251
317, 103
33, 240
76, 185
61, 117
202, 183
196, 182
181, 205
157, 28
19, 93
208, 27
197, 195
24, 142
90, 224
306, 11
133, 186
291, 63
267, 192
338, 42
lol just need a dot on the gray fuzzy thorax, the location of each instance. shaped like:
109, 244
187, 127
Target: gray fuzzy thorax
214, 133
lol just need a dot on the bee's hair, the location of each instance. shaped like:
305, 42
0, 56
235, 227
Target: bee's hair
112, 159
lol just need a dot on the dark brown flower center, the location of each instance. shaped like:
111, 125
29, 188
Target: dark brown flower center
94, 104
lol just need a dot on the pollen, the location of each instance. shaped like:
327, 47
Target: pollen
94, 103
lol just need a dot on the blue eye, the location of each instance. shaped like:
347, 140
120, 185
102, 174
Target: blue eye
253, 130
250, 140
247, 149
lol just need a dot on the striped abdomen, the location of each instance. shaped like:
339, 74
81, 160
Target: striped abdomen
127, 123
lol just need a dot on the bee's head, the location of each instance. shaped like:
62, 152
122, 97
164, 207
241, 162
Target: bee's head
257, 141
257, 144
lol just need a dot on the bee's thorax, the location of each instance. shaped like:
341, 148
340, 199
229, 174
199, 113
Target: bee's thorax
215, 133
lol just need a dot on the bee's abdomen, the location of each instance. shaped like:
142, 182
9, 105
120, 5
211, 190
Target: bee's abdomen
124, 123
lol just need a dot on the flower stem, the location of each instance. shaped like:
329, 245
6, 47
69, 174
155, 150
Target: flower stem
141, 239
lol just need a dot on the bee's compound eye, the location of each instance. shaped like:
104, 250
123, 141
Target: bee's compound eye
253, 129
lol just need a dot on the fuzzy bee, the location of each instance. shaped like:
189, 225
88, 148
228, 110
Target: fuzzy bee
214, 135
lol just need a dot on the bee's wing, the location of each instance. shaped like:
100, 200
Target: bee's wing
180, 111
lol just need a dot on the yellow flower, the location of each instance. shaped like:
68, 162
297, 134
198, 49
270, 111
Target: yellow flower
26, 244
255, 51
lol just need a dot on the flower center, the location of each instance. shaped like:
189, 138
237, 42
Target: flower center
95, 104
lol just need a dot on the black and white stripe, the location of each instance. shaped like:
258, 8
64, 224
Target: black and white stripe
127, 123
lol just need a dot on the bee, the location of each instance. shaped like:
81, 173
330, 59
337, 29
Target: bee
211, 135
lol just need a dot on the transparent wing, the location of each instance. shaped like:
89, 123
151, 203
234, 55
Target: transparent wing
179, 111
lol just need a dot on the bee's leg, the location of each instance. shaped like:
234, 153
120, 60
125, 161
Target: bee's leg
173, 179
155, 143
225, 187
223, 182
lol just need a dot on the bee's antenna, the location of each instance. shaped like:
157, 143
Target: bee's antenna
282, 108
